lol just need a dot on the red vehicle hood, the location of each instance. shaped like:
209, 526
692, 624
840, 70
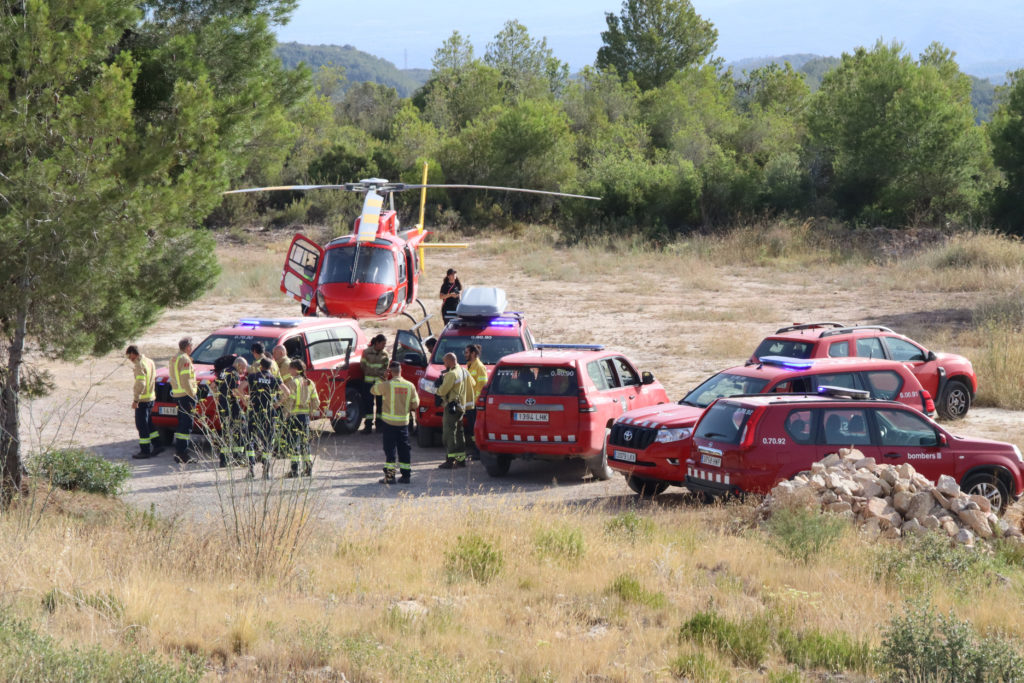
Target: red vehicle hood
665, 415
203, 372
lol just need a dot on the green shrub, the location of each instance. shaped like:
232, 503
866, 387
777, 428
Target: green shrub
473, 557
630, 526
629, 589
813, 649
924, 559
562, 543
697, 666
747, 642
78, 469
26, 655
920, 645
803, 534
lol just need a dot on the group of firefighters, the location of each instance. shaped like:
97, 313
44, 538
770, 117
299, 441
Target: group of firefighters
265, 409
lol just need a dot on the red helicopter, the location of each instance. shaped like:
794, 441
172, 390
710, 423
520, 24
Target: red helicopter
373, 273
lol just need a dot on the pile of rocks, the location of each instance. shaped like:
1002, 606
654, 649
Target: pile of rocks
891, 501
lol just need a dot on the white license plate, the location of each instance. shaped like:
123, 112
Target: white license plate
624, 456
530, 417
167, 410
712, 460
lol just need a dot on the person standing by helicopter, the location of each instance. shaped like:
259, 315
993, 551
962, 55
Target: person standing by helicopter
451, 292
374, 363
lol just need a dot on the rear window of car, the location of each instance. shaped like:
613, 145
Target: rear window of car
533, 380
723, 385
724, 422
492, 348
790, 348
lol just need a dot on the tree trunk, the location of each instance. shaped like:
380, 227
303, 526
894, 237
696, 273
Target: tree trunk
10, 441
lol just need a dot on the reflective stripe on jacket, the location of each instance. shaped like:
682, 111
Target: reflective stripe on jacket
457, 386
182, 376
375, 365
399, 400
303, 398
145, 380
478, 372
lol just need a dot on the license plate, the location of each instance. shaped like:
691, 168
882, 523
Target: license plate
713, 460
167, 410
624, 456
530, 417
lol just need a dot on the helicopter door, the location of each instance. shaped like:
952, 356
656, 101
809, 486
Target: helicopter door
302, 270
411, 354
400, 292
410, 268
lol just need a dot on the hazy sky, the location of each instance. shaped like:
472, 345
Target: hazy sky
408, 32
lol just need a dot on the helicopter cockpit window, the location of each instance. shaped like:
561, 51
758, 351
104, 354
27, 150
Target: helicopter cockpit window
376, 266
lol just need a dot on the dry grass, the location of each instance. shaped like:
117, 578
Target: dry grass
578, 592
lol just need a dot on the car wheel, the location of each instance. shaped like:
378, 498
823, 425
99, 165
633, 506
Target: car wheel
349, 422
425, 436
989, 486
645, 488
955, 400
496, 465
598, 464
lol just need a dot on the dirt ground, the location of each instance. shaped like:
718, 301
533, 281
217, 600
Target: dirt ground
679, 324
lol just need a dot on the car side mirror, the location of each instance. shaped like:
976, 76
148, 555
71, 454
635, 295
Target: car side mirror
943, 441
646, 377
930, 357
414, 359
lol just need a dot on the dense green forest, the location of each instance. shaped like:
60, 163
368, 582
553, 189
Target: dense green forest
670, 137
358, 66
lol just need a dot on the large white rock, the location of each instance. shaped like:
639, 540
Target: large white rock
983, 503
965, 537
947, 486
978, 522
901, 501
920, 506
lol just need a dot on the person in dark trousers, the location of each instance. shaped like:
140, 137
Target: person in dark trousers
374, 363
233, 433
478, 375
455, 393
143, 395
400, 401
300, 400
263, 397
182, 376
451, 292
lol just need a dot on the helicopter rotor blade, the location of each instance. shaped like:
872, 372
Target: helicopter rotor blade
287, 187
400, 188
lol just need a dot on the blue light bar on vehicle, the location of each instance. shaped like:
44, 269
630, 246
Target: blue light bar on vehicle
575, 347
258, 322
502, 322
787, 362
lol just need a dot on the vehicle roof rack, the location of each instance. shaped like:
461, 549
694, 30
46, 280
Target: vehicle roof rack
844, 330
787, 362
569, 347
807, 326
267, 322
843, 392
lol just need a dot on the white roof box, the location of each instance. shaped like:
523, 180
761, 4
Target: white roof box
482, 302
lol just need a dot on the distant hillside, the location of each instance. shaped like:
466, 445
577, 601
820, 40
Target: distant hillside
359, 66
814, 67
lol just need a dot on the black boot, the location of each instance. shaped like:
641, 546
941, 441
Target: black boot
389, 476
448, 464
294, 471
307, 469
405, 478
368, 427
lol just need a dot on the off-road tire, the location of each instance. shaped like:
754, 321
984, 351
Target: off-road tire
495, 464
349, 422
645, 488
598, 464
990, 486
955, 400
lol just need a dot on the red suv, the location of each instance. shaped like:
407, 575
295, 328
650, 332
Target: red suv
330, 347
948, 377
558, 401
652, 444
497, 331
749, 444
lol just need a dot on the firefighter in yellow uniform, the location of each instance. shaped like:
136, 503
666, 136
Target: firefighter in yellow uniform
374, 363
300, 401
399, 400
143, 395
183, 391
259, 352
478, 373
456, 394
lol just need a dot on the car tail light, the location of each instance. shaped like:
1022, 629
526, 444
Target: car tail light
481, 400
585, 405
928, 401
748, 431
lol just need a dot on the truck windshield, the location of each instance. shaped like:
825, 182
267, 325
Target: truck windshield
492, 349
376, 265
217, 345
722, 385
790, 348
533, 380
